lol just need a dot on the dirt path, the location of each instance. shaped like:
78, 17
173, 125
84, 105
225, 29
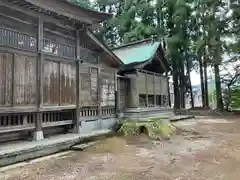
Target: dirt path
208, 149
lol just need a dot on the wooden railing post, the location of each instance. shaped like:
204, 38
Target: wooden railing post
77, 118
38, 134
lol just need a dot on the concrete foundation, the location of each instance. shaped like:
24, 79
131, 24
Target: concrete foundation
97, 124
143, 113
38, 135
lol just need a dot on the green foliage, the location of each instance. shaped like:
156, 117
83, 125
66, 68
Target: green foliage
191, 29
154, 126
235, 98
83, 3
129, 128
160, 129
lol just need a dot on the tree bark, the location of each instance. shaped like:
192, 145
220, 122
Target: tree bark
218, 87
176, 87
190, 85
202, 81
206, 99
182, 86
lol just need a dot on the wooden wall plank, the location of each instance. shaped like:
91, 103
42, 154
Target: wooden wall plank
85, 84
94, 84
123, 94
141, 82
6, 61
25, 80
164, 86
107, 87
67, 84
150, 84
51, 83
158, 84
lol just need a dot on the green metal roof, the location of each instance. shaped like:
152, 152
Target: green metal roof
136, 52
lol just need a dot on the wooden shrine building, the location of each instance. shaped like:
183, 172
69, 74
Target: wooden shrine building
144, 87
55, 75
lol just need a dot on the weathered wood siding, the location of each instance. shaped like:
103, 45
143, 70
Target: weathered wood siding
158, 86
18, 74
94, 85
141, 83
164, 86
59, 85
107, 84
123, 94
150, 84
88, 85
25, 80
146, 84
6, 63
67, 84
51, 82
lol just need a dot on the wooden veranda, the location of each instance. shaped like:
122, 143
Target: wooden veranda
54, 73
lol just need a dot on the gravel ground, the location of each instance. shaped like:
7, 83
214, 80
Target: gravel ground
206, 149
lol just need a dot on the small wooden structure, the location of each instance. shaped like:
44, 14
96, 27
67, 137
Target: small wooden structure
54, 73
144, 86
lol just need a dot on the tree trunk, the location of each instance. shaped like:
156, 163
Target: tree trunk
176, 87
190, 85
176, 92
182, 86
202, 80
206, 100
218, 87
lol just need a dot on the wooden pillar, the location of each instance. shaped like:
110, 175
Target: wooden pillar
146, 88
154, 89
117, 94
38, 134
99, 88
77, 115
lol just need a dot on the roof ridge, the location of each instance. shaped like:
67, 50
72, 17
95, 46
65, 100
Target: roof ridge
86, 8
132, 43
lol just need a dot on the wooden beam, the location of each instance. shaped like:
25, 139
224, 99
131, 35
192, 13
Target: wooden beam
150, 72
64, 11
38, 122
37, 15
77, 118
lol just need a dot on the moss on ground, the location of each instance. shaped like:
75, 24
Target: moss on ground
155, 128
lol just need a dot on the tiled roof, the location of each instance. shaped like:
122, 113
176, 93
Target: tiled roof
136, 52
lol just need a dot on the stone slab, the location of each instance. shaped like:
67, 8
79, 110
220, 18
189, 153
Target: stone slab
22, 151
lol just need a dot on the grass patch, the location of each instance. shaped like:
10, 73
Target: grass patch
154, 128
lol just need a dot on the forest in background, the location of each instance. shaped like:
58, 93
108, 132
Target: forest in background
195, 35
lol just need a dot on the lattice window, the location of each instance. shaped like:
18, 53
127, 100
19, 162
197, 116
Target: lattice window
58, 49
18, 40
